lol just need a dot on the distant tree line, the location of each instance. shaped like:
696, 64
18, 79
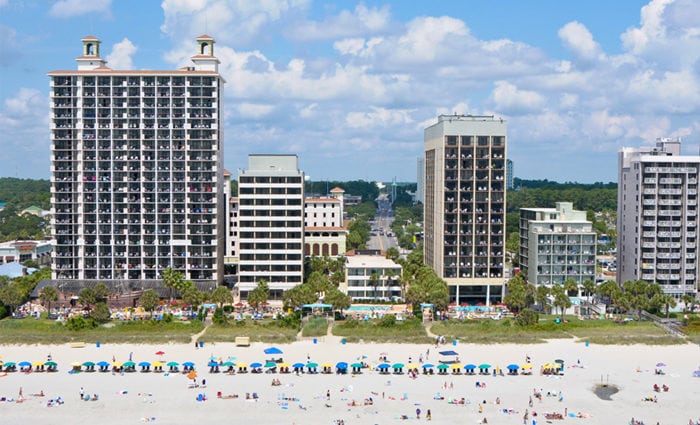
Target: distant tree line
22, 193
368, 190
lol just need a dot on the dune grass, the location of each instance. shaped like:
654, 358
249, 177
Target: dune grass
43, 331
266, 330
408, 331
487, 331
316, 326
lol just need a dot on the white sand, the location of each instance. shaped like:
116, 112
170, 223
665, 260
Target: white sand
168, 399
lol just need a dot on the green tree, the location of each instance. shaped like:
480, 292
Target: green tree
100, 313
87, 298
516, 298
101, 292
687, 300
222, 295
571, 287
259, 295
589, 288
338, 299
11, 296
174, 281
513, 246
392, 253
374, 283
561, 298
298, 296
639, 294
48, 295
542, 297
428, 288
666, 301
149, 300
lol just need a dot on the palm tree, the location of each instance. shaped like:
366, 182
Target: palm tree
374, 281
588, 287
48, 295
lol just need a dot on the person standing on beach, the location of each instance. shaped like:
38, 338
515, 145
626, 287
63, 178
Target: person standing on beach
328, 395
418, 413
82, 392
428, 416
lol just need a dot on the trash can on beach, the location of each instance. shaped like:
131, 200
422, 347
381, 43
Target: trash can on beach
97, 344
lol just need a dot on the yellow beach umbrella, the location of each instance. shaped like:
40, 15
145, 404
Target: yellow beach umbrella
326, 365
117, 364
526, 366
284, 365
242, 365
157, 364
549, 366
456, 366
35, 364
412, 366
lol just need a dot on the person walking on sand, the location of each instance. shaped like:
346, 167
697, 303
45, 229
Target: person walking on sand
428, 415
418, 413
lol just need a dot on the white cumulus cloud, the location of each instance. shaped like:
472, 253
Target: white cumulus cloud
71, 8
121, 55
363, 20
579, 40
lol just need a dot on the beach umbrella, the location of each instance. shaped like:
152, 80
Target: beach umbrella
443, 366
560, 361
356, 365
157, 364
255, 365
512, 367
298, 365
242, 365
171, 364
103, 364
411, 366
341, 365
227, 364
188, 364
144, 364
484, 366
283, 364
78, 364
456, 366
129, 364
270, 364
470, 366
312, 365
50, 364
37, 364
9, 364
212, 364
383, 366
272, 350
87, 364
398, 366
526, 366
428, 366
24, 364
160, 353
661, 365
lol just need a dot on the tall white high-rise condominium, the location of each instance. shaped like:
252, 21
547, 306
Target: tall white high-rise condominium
657, 217
271, 224
465, 203
136, 171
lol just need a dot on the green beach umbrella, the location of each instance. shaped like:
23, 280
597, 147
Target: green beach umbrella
443, 366
50, 364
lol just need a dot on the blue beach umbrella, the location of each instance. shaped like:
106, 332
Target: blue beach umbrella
298, 365
341, 365
428, 366
272, 350
255, 365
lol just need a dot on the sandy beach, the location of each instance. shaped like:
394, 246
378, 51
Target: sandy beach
167, 398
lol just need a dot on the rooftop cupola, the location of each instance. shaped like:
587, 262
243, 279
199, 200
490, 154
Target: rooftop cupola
90, 59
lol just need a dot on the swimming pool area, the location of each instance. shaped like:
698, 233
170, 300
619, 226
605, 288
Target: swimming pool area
369, 308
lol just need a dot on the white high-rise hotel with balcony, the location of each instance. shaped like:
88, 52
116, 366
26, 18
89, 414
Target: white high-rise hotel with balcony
271, 224
657, 217
465, 202
136, 170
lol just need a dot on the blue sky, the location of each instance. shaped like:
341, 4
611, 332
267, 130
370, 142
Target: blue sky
349, 86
